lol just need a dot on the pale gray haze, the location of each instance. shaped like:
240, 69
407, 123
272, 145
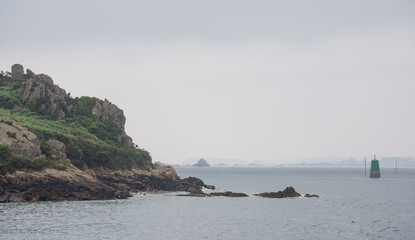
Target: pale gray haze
273, 81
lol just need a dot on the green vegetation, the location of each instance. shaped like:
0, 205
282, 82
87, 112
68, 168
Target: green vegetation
11, 163
9, 97
90, 143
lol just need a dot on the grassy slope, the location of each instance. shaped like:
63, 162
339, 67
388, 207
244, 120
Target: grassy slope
90, 143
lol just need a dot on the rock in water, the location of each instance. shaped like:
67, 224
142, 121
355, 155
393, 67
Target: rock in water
201, 163
288, 192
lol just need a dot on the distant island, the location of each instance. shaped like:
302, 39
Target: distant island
201, 163
55, 147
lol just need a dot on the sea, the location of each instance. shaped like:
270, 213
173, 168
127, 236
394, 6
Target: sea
350, 206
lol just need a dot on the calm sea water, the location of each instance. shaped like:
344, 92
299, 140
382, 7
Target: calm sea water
351, 206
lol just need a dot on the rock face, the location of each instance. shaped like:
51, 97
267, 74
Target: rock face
20, 141
288, 192
104, 111
201, 163
39, 92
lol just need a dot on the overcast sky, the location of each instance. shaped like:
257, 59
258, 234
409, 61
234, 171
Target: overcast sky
255, 80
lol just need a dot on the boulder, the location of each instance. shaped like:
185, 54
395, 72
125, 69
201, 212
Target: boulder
57, 146
20, 141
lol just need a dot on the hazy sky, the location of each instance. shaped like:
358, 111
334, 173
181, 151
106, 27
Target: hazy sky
251, 80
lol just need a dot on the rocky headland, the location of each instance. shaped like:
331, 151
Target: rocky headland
55, 147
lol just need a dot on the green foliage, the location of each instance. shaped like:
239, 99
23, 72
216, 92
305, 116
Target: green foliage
11, 163
83, 106
90, 143
9, 97
39, 105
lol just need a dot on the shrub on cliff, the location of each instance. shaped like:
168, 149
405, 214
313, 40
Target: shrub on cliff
9, 97
11, 163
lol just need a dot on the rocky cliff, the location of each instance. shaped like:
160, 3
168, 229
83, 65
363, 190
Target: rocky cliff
38, 92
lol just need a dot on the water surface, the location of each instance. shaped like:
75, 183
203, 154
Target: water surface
351, 206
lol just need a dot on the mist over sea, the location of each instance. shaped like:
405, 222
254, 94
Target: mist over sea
351, 206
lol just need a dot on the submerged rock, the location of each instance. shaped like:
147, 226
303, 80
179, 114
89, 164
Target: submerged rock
214, 194
311, 195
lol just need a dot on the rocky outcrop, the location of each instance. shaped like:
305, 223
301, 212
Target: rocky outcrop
55, 185
104, 111
38, 91
100, 184
161, 179
20, 141
288, 192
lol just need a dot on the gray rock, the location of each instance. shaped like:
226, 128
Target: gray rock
40, 87
20, 141
104, 110
30, 73
45, 78
17, 72
58, 146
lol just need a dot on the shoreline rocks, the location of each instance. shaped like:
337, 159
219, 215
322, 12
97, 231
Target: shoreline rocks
98, 184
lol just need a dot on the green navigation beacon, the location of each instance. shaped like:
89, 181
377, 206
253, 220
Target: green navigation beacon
374, 168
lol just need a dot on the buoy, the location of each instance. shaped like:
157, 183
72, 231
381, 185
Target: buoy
374, 168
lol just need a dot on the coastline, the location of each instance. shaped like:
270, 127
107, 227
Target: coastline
74, 184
